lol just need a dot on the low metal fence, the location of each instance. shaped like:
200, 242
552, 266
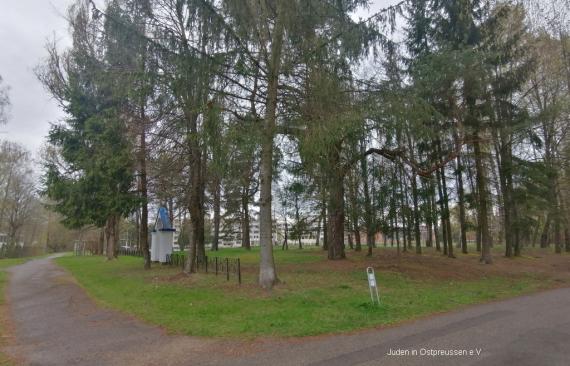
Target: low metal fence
7, 251
133, 252
227, 267
80, 249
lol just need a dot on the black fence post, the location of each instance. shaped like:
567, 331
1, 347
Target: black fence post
220, 264
239, 271
227, 269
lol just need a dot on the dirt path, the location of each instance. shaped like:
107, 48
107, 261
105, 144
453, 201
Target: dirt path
56, 323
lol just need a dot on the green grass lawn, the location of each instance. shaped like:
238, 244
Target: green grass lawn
313, 298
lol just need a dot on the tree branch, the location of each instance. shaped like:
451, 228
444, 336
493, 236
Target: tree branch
400, 154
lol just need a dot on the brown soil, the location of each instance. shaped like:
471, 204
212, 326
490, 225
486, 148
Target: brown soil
428, 266
7, 334
433, 265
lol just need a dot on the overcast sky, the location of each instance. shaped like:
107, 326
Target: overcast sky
25, 25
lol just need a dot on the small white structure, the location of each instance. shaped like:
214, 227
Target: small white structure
3, 240
162, 237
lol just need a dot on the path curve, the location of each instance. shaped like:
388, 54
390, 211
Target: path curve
58, 324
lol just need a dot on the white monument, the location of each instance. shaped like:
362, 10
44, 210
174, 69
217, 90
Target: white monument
162, 237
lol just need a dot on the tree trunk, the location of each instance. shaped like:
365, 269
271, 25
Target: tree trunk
409, 219
217, 216
478, 238
481, 178
200, 242
404, 230
368, 211
446, 207
112, 236
318, 238
357, 238
336, 209
534, 237
197, 187
444, 235
557, 237
190, 264
354, 224
245, 227
544, 237
285, 245
461, 203
565, 57
559, 216
434, 216
509, 204
101, 248
298, 222
504, 164
198, 231
416, 215
397, 230
143, 227
196, 207
336, 224
474, 192
138, 228
516, 229
403, 210
267, 273
429, 239
325, 228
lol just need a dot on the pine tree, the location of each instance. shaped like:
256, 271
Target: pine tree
90, 180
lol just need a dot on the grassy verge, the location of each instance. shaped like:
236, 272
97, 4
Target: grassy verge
5, 264
315, 296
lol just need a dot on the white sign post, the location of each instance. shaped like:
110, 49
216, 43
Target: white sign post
372, 285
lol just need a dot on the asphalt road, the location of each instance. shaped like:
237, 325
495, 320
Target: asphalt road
57, 324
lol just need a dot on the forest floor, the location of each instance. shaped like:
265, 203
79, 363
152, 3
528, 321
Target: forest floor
315, 296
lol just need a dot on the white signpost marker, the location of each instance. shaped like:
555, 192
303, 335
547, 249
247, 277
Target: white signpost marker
372, 285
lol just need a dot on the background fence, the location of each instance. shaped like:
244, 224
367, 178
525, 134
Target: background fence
16, 251
227, 267
82, 249
133, 252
